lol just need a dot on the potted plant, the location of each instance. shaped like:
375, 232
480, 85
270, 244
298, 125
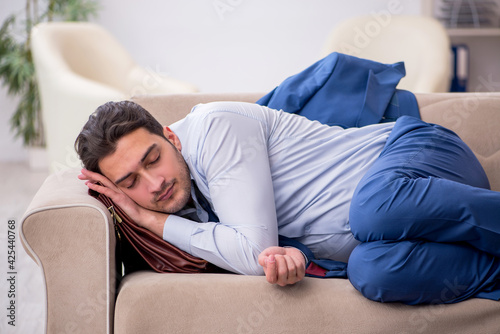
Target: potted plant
17, 71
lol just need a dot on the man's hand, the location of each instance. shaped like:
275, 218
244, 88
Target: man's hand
283, 265
152, 220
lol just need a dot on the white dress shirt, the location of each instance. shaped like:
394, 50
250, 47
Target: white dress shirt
267, 172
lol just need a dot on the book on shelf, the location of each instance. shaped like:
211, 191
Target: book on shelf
460, 68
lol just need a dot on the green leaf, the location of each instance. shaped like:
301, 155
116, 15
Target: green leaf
6, 41
78, 10
26, 121
17, 70
73, 10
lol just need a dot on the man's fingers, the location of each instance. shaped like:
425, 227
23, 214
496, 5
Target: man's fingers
102, 189
270, 269
301, 268
263, 256
86, 174
273, 250
292, 270
103, 185
94, 178
283, 271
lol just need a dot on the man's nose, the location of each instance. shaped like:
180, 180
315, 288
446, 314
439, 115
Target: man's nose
154, 182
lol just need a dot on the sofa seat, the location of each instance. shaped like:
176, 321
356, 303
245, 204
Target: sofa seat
225, 303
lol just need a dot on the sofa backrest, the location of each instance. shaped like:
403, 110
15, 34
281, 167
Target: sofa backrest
475, 117
168, 109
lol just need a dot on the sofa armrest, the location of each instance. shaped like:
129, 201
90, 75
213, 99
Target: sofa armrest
71, 237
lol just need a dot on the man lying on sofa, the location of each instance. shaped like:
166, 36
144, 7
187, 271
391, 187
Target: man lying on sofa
406, 204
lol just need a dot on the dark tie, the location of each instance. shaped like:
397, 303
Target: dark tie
212, 217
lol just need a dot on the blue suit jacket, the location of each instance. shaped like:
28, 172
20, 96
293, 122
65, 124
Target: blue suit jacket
346, 91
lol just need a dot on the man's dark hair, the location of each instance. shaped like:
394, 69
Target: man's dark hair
107, 125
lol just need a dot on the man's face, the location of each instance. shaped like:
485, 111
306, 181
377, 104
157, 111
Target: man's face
150, 170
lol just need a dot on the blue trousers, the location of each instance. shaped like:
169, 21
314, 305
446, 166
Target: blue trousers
428, 223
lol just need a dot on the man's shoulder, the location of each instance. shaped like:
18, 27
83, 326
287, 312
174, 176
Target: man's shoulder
231, 110
212, 122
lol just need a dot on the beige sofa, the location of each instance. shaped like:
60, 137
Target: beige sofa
71, 237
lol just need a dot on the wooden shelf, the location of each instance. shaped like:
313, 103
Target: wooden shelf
474, 32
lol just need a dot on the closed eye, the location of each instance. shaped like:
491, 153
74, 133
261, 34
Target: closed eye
155, 160
132, 184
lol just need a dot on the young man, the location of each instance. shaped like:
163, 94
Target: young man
406, 203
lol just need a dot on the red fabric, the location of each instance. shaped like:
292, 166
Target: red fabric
314, 269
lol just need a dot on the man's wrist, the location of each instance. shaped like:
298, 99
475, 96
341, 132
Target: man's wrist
306, 260
153, 221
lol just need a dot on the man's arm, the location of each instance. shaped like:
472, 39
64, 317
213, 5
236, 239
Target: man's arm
152, 220
226, 148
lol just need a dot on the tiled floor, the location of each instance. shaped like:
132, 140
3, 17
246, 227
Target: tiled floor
18, 184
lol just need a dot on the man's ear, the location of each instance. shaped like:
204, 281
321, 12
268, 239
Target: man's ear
172, 137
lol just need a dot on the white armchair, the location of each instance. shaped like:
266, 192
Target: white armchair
421, 42
80, 66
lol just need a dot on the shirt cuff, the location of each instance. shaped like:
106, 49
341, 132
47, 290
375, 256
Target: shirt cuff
178, 232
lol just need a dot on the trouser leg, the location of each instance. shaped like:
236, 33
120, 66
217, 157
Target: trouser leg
420, 272
426, 185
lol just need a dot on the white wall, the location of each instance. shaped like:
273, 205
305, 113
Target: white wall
218, 45
232, 45
11, 149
